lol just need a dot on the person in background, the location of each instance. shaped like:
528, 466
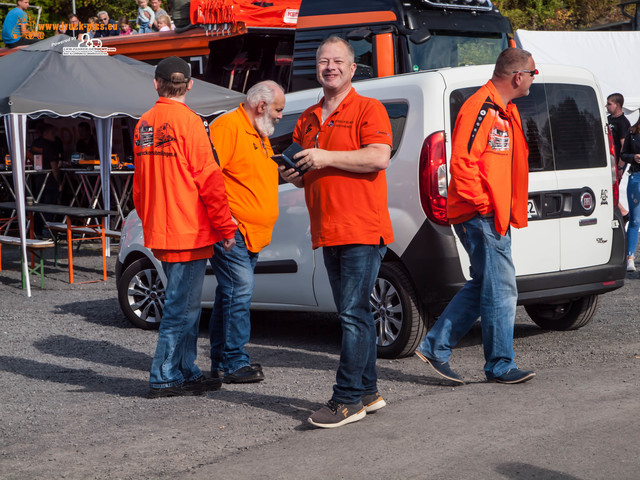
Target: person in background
156, 6
125, 27
62, 28
14, 26
92, 26
487, 195
347, 142
146, 17
74, 27
164, 23
105, 26
630, 154
181, 220
619, 125
86, 143
251, 181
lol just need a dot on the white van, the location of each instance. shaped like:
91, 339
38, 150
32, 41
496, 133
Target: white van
572, 251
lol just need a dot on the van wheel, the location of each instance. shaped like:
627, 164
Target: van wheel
564, 316
141, 294
397, 312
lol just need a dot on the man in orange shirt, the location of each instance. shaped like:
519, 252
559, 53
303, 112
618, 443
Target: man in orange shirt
347, 141
487, 195
251, 180
181, 221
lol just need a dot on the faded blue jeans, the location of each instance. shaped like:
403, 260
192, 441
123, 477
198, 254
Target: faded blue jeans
352, 271
176, 352
230, 323
633, 196
491, 294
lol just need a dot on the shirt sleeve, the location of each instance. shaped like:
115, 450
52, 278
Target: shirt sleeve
375, 127
209, 181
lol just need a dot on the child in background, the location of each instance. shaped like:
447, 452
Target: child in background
92, 25
125, 27
146, 16
164, 23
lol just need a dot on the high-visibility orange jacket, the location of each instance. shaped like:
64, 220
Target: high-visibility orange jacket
178, 189
489, 162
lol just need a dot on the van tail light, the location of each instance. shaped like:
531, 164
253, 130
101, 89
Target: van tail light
614, 169
433, 179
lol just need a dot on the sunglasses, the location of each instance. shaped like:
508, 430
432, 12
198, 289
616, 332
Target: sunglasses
530, 72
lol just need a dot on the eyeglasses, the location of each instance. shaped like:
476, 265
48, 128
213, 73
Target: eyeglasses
530, 72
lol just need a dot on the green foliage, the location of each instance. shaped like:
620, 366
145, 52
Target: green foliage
557, 14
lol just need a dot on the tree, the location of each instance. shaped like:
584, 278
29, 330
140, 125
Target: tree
558, 14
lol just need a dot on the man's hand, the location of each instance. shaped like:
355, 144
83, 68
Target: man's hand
313, 159
291, 176
228, 244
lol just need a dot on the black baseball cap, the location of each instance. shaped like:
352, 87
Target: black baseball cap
168, 66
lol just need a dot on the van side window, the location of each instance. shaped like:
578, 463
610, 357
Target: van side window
576, 124
562, 124
398, 117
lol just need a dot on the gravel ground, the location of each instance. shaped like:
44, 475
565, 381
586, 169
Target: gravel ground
74, 378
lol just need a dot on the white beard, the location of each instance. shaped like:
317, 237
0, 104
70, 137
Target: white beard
265, 125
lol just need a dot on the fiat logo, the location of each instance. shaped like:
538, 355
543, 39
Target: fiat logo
586, 199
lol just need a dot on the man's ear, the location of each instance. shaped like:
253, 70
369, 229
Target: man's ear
262, 107
190, 85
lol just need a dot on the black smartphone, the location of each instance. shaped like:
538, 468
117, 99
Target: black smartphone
286, 158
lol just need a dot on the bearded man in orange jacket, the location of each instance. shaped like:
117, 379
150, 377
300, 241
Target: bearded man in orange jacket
487, 195
179, 195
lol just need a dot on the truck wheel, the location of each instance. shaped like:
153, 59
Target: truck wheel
141, 294
570, 315
397, 312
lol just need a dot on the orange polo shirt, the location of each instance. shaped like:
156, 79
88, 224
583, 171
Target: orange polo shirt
250, 176
346, 207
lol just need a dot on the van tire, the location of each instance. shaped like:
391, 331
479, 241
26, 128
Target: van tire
570, 315
141, 294
397, 312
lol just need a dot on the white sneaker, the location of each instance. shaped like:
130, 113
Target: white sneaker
631, 265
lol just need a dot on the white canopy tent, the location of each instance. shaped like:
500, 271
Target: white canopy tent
610, 56
43, 79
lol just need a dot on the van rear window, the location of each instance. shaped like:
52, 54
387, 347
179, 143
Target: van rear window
562, 124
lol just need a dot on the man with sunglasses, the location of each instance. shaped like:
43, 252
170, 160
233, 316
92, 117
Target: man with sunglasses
488, 194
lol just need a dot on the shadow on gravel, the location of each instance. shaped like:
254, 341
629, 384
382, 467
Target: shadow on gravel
295, 408
524, 471
86, 379
100, 312
102, 352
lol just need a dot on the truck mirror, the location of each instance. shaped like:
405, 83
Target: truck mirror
420, 36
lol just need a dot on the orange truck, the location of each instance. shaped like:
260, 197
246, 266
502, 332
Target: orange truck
237, 43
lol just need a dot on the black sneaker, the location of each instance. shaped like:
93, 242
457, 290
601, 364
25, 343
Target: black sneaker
206, 384
514, 375
335, 414
186, 389
442, 369
247, 374
373, 402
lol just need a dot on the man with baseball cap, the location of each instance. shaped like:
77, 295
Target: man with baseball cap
181, 221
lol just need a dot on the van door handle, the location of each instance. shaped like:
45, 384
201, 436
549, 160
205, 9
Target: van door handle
552, 205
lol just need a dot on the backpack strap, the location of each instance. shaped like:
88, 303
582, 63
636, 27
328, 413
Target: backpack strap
213, 149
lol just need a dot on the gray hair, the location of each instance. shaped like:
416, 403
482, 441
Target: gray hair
101, 13
264, 91
351, 55
511, 59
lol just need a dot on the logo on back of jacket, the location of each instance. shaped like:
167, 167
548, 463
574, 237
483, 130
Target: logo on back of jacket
147, 137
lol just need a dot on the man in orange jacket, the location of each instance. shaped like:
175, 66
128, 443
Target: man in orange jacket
487, 194
179, 195
251, 180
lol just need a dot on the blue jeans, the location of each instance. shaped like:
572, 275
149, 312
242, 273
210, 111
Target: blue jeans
491, 294
352, 273
176, 352
230, 324
633, 196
